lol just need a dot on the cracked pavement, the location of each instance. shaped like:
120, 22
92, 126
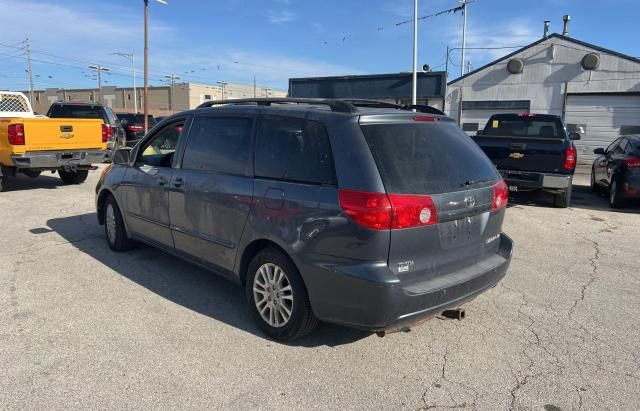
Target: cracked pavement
82, 327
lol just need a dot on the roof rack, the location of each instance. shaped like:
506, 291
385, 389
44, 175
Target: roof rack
335, 105
349, 106
382, 104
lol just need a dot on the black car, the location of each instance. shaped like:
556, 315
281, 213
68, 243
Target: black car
532, 152
375, 218
617, 170
133, 125
72, 109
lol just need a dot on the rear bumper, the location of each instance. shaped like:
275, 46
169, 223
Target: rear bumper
631, 187
533, 180
58, 159
341, 294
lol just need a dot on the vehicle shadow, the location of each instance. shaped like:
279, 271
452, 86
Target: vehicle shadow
183, 283
22, 182
581, 197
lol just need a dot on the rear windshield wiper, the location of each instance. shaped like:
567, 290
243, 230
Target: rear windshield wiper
474, 182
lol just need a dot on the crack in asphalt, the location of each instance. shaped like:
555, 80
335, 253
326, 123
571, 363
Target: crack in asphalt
592, 275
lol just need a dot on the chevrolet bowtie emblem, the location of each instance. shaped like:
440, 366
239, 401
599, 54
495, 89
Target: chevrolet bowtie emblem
516, 155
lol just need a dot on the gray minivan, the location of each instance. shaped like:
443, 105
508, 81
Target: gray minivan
374, 217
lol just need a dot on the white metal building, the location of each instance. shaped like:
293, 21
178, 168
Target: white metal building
595, 89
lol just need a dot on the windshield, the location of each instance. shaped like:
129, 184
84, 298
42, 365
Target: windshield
427, 158
515, 125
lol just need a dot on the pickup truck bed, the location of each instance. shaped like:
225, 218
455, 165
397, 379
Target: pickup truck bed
531, 152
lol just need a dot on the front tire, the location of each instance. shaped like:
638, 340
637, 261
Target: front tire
114, 228
278, 297
594, 185
563, 200
73, 177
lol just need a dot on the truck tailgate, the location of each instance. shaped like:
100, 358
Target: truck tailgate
543, 155
47, 134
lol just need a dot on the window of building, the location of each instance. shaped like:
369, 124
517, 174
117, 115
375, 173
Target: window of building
219, 144
629, 129
294, 149
470, 128
207, 96
128, 96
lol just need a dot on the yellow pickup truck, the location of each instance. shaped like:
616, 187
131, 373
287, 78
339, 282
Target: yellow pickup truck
32, 144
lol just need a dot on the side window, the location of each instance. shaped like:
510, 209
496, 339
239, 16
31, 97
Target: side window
294, 149
160, 149
219, 144
612, 146
620, 147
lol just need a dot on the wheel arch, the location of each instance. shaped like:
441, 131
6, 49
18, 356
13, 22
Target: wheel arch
102, 197
254, 248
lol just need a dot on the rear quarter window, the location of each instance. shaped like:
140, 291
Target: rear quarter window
294, 149
427, 158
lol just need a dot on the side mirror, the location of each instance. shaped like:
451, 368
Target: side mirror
599, 150
479, 132
574, 136
121, 156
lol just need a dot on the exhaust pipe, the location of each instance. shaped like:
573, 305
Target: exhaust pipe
454, 314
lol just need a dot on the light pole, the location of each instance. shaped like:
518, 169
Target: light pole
172, 78
99, 69
222, 85
131, 58
464, 35
414, 87
146, 62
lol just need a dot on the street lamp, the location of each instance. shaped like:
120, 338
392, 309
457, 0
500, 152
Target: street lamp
146, 62
99, 69
222, 85
131, 58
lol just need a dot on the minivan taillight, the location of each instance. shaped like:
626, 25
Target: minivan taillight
412, 210
16, 134
107, 132
379, 211
570, 158
500, 195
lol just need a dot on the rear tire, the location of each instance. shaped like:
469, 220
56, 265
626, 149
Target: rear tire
114, 228
563, 200
278, 297
615, 200
73, 177
3, 183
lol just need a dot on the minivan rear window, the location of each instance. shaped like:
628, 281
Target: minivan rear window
427, 158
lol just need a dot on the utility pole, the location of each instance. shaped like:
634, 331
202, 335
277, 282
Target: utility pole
99, 69
222, 85
254, 86
414, 91
464, 35
30, 71
132, 59
146, 65
172, 78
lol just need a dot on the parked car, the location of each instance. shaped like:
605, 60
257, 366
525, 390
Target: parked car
617, 170
73, 109
375, 218
133, 125
31, 144
532, 152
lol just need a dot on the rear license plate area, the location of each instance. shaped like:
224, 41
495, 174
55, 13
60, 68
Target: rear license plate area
460, 232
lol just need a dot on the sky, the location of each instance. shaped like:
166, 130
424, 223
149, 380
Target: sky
234, 40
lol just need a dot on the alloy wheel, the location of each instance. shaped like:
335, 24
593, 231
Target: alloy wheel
110, 222
273, 295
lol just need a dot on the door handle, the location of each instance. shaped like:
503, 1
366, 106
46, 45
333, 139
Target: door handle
178, 182
162, 181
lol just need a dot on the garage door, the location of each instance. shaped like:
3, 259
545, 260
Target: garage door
474, 120
603, 118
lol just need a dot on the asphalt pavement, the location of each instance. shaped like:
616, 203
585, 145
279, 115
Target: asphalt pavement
82, 327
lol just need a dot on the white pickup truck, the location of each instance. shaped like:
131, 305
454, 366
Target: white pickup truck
31, 144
